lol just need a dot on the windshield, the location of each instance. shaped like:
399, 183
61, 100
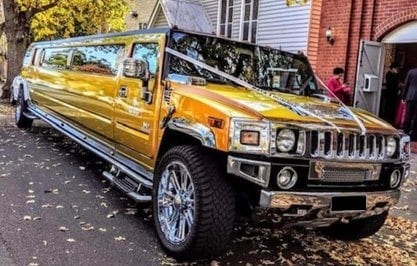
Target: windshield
263, 67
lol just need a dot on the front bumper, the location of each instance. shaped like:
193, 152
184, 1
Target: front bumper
321, 204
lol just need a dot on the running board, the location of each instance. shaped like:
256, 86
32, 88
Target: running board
128, 186
136, 172
29, 115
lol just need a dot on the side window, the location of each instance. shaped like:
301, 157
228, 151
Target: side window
147, 52
226, 18
101, 59
28, 57
249, 20
55, 58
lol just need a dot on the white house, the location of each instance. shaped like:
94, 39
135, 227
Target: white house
266, 22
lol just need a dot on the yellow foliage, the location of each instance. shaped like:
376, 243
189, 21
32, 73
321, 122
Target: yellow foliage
296, 2
75, 17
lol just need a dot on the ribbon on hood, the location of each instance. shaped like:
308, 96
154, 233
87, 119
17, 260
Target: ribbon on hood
294, 107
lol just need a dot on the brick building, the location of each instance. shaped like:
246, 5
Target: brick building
390, 25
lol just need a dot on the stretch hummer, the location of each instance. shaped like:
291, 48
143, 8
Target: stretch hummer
206, 128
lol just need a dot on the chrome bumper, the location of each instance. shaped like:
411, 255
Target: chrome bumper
304, 203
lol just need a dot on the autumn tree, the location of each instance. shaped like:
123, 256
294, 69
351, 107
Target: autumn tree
27, 20
296, 2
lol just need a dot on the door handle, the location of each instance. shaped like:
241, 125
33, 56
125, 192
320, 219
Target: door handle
123, 91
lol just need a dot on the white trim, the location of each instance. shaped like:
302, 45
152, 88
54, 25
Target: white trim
219, 10
403, 34
242, 14
154, 15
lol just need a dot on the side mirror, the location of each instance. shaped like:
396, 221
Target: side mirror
135, 68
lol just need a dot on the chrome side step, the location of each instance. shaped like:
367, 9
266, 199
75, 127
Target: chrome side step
128, 186
30, 115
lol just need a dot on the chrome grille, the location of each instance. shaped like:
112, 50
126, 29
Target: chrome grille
333, 145
343, 172
338, 175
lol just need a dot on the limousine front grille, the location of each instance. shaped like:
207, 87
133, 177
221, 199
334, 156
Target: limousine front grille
333, 145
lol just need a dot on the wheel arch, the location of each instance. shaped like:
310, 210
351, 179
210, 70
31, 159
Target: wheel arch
20, 83
182, 132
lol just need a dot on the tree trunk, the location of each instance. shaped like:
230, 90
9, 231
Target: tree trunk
15, 54
16, 28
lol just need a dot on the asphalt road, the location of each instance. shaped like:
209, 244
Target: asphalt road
56, 209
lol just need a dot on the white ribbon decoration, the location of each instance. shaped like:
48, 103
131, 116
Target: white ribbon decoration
294, 107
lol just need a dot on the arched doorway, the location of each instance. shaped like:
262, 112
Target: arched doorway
399, 45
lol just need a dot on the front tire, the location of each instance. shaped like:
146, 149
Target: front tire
193, 204
21, 120
357, 229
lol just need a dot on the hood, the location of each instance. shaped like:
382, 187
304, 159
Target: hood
289, 108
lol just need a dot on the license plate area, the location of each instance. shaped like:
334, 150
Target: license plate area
348, 203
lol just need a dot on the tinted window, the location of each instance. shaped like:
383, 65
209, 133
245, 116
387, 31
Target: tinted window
100, 59
147, 52
55, 58
28, 57
263, 67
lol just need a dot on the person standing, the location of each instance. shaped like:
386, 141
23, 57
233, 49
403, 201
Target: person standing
391, 93
410, 96
335, 85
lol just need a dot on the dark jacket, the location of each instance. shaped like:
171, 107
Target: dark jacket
410, 89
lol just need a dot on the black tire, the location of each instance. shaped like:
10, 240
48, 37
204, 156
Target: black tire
21, 120
213, 204
357, 229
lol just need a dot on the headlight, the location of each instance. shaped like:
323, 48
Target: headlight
391, 146
249, 136
285, 140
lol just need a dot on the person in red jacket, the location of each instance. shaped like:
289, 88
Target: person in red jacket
337, 88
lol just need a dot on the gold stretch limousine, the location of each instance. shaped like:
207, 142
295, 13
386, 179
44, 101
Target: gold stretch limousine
207, 128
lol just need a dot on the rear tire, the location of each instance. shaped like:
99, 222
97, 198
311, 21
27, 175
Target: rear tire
193, 204
357, 229
21, 120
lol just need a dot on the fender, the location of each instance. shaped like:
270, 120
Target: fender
196, 130
19, 82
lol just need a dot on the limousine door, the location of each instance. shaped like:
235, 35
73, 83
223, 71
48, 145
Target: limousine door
135, 114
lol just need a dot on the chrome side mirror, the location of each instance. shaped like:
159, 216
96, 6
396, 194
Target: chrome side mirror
135, 68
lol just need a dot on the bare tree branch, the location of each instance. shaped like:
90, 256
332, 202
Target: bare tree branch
35, 10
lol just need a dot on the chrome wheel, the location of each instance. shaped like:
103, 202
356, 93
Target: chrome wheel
176, 206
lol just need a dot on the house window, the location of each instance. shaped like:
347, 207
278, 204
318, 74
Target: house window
249, 20
226, 18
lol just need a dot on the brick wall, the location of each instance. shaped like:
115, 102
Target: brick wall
351, 21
